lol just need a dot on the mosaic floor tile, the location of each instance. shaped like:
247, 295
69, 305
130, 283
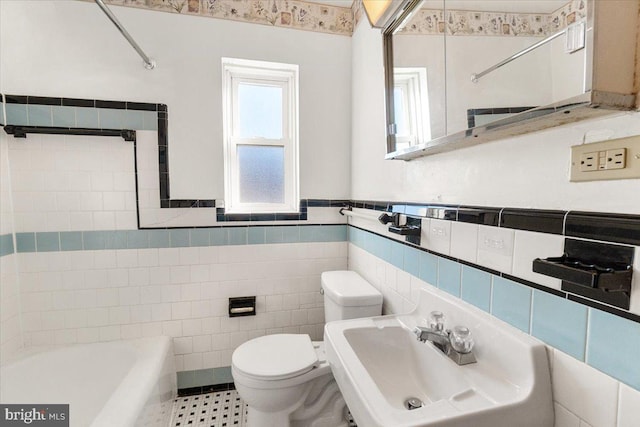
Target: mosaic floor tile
219, 409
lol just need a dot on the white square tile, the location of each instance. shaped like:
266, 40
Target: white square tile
564, 418
628, 407
529, 246
464, 241
495, 248
585, 391
438, 238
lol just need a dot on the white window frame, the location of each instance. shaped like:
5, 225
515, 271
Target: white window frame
413, 82
235, 72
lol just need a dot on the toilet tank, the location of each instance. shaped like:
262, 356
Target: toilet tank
348, 296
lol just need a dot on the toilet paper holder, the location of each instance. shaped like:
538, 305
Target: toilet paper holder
242, 306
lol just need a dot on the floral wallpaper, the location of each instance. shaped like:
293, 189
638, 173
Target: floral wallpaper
279, 13
342, 20
463, 22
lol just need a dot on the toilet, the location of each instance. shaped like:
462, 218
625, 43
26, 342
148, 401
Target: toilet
285, 379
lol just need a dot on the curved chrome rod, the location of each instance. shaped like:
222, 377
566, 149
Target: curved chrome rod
149, 63
477, 76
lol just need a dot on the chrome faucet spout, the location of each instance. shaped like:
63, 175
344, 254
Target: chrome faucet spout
440, 338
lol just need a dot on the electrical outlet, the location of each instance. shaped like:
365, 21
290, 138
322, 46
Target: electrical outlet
589, 162
613, 159
616, 158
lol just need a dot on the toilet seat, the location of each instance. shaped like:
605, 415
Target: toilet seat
276, 357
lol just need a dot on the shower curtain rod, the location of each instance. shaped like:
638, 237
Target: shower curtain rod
476, 76
149, 63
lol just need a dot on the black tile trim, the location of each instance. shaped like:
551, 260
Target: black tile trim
79, 102
479, 215
603, 307
619, 228
22, 131
607, 227
195, 203
533, 285
194, 391
542, 221
15, 99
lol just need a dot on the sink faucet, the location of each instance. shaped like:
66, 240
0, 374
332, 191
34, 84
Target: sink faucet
456, 344
438, 337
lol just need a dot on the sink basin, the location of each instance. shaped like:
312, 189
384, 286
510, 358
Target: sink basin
379, 364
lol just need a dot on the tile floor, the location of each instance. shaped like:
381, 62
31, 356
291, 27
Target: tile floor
217, 409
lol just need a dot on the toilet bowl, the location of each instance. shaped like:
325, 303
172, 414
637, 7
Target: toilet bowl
285, 378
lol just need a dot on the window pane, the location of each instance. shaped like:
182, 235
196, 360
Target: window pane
259, 111
400, 111
261, 173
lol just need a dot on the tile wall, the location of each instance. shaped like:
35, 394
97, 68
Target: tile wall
87, 273
593, 353
11, 338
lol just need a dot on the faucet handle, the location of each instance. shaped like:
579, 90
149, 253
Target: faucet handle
460, 339
436, 321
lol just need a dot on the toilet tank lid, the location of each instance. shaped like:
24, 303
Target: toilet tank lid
348, 288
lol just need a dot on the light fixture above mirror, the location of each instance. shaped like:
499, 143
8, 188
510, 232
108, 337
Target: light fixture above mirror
382, 12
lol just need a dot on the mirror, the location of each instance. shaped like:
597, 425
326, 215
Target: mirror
457, 65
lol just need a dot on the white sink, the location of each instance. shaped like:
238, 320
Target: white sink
378, 364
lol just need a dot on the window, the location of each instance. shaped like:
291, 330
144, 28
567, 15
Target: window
411, 107
260, 116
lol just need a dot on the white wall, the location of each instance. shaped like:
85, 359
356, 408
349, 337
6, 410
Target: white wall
71, 49
11, 338
530, 171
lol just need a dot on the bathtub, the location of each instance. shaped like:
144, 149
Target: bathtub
119, 383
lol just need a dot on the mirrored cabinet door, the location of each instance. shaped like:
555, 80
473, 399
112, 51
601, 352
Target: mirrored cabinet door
419, 77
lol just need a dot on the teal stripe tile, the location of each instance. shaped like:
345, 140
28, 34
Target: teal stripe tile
25, 242
449, 276
137, 239
237, 235
132, 119
115, 239
291, 234
87, 117
311, 233
199, 237
149, 120
110, 118
159, 239
48, 241
338, 233
256, 235
179, 238
222, 375
17, 114
274, 235
397, 254
511, 302
71, 241
218, 237
197, 378
2, 113
356, 237
411, 261
95, 240
429, 268
6, 244
614, 343
560, 323
64, 116
476, 287
39, 115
